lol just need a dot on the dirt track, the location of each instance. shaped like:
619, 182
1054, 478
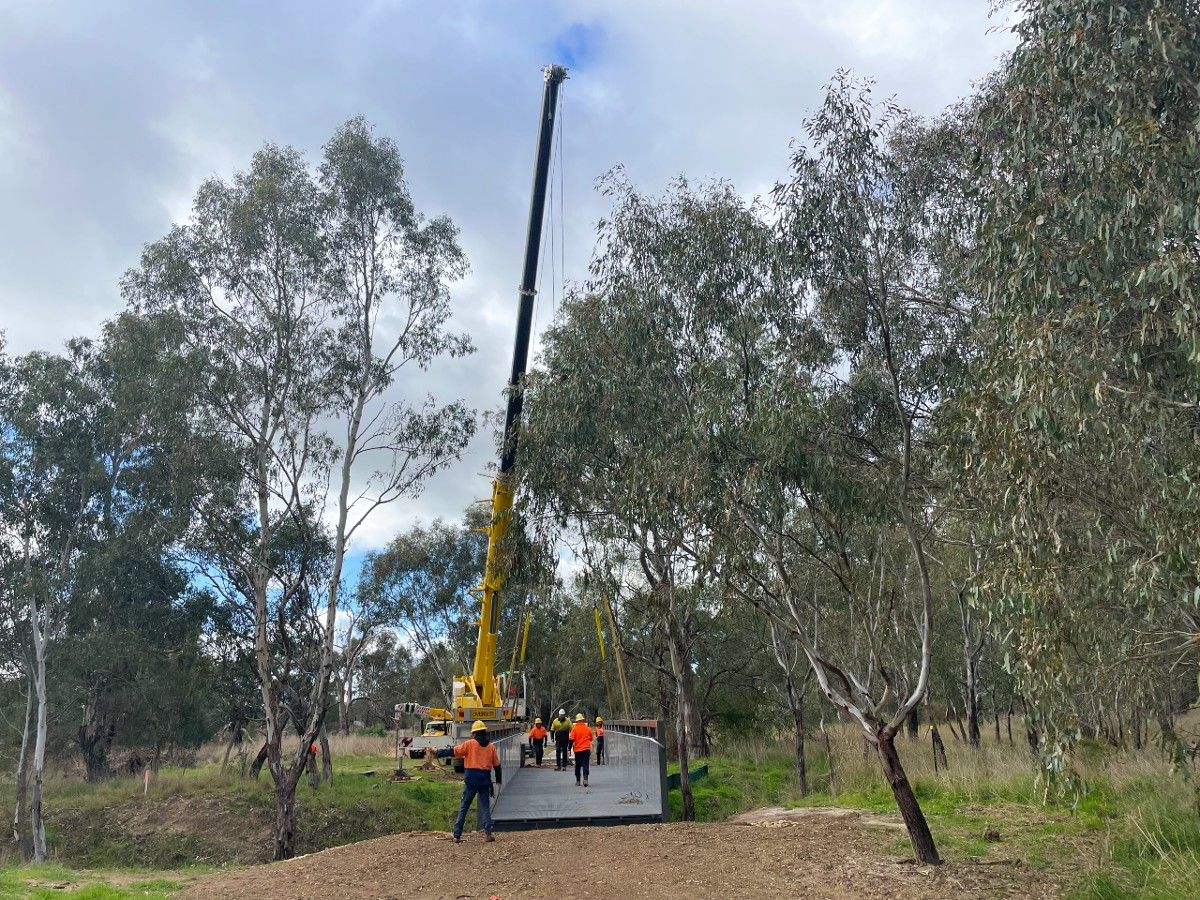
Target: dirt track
817, 857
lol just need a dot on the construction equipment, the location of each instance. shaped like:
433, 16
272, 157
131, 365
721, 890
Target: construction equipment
603, 657
438, 733
617, 656
481, 694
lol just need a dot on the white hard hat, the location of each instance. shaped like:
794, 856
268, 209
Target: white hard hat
562, 712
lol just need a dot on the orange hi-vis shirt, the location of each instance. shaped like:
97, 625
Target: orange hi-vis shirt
581, 736
476, 756
538, 733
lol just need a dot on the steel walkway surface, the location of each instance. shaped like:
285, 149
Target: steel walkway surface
630, 788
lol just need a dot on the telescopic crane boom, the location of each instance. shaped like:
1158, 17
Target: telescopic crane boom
478, 695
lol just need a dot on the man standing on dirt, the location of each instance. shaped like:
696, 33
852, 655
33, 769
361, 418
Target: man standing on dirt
537, 738
581, 738
560, 727
480, 758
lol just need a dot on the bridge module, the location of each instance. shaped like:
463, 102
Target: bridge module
630, 788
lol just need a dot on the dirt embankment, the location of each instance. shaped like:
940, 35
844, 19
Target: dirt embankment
813, 856
163, 832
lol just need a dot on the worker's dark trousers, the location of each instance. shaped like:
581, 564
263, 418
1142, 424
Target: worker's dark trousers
539, 744
599, 751
560, 753
485, 808
581, 764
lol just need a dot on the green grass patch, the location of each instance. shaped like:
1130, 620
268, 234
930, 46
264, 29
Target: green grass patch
54, 880
1154, 852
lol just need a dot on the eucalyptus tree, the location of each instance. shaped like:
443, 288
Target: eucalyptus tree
91, 462
1086, 415
385, 672
832, 455
14, 612
614, 442
797, 676
300, 300
364, 621
50, 402
384, 261
421, 583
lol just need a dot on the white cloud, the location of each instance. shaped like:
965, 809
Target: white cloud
114, 120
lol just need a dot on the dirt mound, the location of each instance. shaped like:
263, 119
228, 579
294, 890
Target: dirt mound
833, 857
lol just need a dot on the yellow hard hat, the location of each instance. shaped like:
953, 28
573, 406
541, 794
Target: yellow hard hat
537, 721
578, 717
478, 726
599, 719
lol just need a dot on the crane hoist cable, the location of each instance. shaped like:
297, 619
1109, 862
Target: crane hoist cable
553, 237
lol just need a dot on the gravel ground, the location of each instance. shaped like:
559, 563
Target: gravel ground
835, 856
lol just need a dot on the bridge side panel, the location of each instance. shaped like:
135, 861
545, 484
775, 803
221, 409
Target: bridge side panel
508, 739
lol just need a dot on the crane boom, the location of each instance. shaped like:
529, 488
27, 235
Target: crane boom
479, 696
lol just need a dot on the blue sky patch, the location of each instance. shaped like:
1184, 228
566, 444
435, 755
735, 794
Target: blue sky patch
578, 45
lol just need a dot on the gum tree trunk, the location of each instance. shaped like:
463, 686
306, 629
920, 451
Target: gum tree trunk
38, 625
326, 758
36, 812
914, 820
679, 665
285, 819
259, 761
685, 679
796, 702
95, 739
912, 723
974, 738
21, 836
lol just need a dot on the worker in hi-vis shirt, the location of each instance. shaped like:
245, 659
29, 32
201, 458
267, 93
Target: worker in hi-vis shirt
581, 740
560, 727
480, 758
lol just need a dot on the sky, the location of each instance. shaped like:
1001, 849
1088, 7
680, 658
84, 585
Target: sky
112, 114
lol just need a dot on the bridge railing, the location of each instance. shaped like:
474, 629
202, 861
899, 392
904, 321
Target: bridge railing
508, 738
639, 742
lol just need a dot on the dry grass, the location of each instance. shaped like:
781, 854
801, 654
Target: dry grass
970, 771
364, 745
1132, 830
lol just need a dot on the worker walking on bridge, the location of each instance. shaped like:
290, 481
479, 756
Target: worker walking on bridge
581, 739
537, 738
599, 740
560, 727
480, 758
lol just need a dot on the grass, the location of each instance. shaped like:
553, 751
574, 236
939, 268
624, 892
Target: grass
53, 880
202, 816
1134, 831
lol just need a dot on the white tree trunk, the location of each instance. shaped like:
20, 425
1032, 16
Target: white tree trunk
21, 811
36, 812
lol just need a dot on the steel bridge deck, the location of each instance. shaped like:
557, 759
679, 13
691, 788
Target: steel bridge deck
629, 789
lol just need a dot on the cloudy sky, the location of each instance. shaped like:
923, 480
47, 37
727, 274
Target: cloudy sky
112, 113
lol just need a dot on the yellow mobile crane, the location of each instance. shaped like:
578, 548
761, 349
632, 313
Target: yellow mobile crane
481, 694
